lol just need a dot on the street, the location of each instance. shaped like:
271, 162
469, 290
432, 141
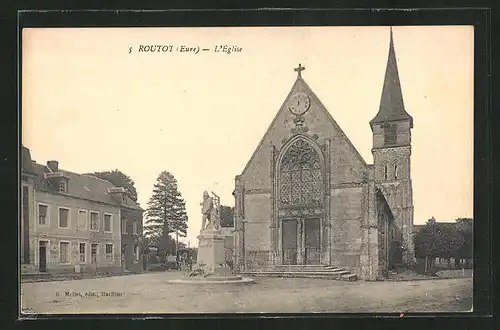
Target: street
150, 293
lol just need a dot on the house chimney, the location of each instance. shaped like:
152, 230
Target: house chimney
53, 165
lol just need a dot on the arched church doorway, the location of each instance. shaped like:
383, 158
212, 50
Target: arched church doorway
396, 255
301, 203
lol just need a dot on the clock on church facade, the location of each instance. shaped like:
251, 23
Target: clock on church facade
299, 103
307, 196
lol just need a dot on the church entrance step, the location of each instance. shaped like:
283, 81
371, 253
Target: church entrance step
324, 270
301, 268
309, 271
341, 275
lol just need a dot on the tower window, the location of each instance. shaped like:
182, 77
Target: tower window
390, 134
395, 171
385, 172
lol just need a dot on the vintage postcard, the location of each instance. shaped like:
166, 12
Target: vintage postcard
247, 170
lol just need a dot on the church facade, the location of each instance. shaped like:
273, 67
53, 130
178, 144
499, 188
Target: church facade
307, 197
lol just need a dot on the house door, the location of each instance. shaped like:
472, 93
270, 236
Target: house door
312, 242
289, 242
42, 256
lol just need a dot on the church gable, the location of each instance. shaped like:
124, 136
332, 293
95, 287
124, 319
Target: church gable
346, 164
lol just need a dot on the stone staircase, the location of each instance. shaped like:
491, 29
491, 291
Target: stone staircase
308, 271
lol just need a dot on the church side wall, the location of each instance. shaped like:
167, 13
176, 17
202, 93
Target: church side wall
257, 222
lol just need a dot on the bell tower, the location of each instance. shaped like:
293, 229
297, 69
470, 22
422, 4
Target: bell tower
391, 151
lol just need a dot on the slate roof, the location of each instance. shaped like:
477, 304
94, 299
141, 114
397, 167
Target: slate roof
26, 162
82, 186
391, 104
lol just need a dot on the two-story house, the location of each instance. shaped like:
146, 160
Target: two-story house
78, 221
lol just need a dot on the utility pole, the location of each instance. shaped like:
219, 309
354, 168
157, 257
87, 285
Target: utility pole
176, 240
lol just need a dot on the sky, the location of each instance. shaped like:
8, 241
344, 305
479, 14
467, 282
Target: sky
92, 105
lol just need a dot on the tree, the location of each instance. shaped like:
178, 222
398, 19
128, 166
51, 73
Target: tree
166, 213
444, 240
426, 241
119, 179
226, 216
430, 243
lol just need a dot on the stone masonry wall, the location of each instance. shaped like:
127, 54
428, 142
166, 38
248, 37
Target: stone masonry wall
347, 216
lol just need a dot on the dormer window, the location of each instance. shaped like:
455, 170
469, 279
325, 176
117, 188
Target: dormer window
63, 186
390, 135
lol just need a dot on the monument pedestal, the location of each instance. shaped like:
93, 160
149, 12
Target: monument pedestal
212, 256
211, 259
211, 251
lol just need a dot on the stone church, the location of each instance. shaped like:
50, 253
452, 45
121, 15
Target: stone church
307, 197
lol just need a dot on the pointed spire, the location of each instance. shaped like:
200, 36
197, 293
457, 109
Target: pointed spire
391, 103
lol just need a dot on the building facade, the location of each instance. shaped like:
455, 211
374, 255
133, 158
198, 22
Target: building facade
76, 223
27, 210
307, 196
131, 244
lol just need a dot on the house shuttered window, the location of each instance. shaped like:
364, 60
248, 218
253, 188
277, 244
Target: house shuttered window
64, 252
42, 214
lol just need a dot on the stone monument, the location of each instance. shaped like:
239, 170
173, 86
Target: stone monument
211, 261
211, 241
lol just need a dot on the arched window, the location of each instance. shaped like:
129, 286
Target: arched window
396, 171
385, 172
300, 176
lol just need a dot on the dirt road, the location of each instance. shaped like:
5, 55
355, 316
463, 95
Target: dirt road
150, 293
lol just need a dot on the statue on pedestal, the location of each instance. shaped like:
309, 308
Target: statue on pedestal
210, 212
212, 266
206, 210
